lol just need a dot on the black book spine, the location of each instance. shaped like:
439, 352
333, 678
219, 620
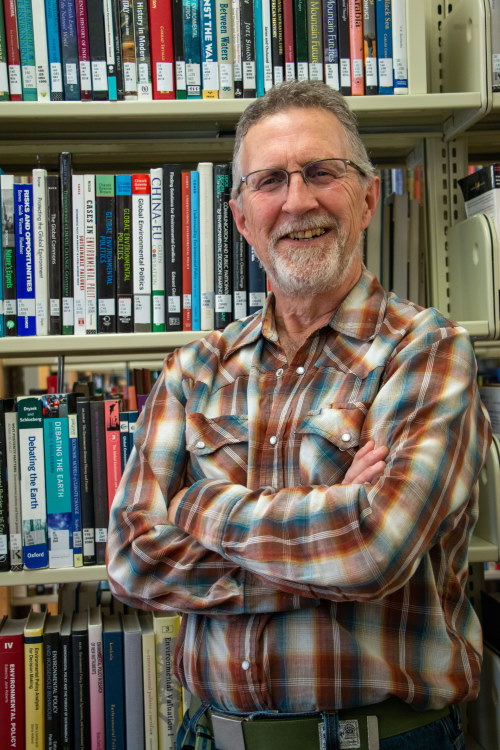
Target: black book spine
100, 479
69, 50
172, 213
80, 674
51, 658
222, 246
117, 37
257, 283
106, 253
65, 686
240, 303
4, 494
180, 60
54, 235
86, 484
143, 50
277, 45
344, 48
248, 48
65, 172
124, 255
97, 47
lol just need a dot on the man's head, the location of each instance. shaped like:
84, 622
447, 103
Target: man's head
306, 212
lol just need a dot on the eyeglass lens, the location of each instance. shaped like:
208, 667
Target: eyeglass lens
320, 174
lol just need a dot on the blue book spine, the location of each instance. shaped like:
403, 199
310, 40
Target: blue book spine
27, 49
192, 47
209, 57
331, 44
69, 50
114, 697
133, 416
384, 46
59, 511
124, 440
195, 251
54, 50
25, 260
74, 459
259, 48
257, 284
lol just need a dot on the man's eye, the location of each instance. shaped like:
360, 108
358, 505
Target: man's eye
270, 181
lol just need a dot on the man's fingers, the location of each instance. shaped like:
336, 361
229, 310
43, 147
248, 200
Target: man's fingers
364, 461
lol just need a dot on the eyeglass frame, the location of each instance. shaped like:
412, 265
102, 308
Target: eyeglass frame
347, 162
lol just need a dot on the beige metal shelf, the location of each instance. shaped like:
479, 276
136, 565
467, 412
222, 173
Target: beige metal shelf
53, 575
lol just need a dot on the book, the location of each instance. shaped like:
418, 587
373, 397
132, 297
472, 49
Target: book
370, 47
106, 252
300, 38
263, 46
54, 50
12, 695
5, 405
344, 47
69, 409
13, 484
25, 261
9, 254
142, 50
57, 482
383, 21
52, 666
187, 313
277, 40
4, 71
110, 39
80, 680
127, 33
41, 50
399, 47
67, 301
86, 480
112, 437
134, 693
331, 44
34, 680
239, 265
178, 40
90, 250
237, 56
247, 26
114, 688
83, 46
40, 247
162, 48
96, 679
27, 50
78, 224
97, 47
54, 255
206, 213
225, 48
118, 52
289, 41
481, 192
356, 46
69, 50
168, 688
32, 482
495, 44
13, 53
149, 680
223, 300
398, 207
195, 250
192, 47
124, 255
100, 481
157, 251
257, 286
141, 243
66, 683
209, 59
172, 212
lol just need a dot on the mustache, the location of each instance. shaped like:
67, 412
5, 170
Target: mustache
306, 223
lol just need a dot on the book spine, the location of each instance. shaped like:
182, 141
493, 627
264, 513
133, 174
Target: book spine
78, 222
66, 688
113, 689
127, 25
205, 170
162, 48
495, 44
225, 48
288, 41
57, 480
179, 57
97, 47
277, 40
34, 689
168, 688
237, 59
54, 254
209, 60
113, 454
222, 247
27, 49
124, 256
192, 47
149, 683
76, 505
263, 46
173, 242
195, 251
25, 260
117, 44
51, 668
106, 260
54, 50
109, 38
134, 691
187, 312
344, 47
41, 50
80, 683
300, 35
83, 45
65, 173
13, 51
9, 254
248, 48
4, 70
101, 514
143, 51
370, 47
399, 47
383, 20
331, 44
123, 438
12, 690
90, 248
240, 305
141, 233
86, 487
356, 46
256, 282
14, 491
4, 493
157, 251
69, 50
96, 685
32, 487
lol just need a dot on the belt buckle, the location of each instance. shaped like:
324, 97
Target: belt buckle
228, 732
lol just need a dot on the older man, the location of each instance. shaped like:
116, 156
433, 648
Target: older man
302, 487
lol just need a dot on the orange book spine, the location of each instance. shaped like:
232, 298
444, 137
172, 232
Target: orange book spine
356, 45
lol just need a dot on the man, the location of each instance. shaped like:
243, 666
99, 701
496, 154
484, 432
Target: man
303, 482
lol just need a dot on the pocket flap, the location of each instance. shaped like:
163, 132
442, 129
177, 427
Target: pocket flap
340, 425
205, 435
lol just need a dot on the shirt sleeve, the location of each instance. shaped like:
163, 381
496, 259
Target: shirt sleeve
152, 564
362, 542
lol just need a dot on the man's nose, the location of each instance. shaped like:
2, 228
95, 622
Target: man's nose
300, 196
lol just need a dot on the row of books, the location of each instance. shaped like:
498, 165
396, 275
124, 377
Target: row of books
89, 680
165, 49
61, 459
85, 253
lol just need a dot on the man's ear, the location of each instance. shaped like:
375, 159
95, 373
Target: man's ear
372, 196
239, 218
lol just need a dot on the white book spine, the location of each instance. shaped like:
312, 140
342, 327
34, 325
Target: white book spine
90, 254
149, 684
399, 47
238, 71
141, 243
41, 52
225, 51
96, 680
78, 209
157, 250
207, 291
41, 251
267, 44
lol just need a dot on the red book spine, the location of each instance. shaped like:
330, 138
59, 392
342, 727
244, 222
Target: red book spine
13, 54
82, 36
113, 452
162, 48
187, 318
12, 706
355, 8
288, 41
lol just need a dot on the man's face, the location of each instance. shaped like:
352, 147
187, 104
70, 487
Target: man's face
307, 239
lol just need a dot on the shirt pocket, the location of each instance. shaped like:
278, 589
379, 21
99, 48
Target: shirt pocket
217, 447
329, 439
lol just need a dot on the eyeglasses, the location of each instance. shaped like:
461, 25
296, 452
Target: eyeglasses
323, 174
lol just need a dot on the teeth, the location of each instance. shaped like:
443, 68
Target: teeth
307, 234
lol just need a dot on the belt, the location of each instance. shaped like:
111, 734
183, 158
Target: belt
357, 727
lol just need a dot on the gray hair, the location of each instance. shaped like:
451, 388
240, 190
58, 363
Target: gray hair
304, 95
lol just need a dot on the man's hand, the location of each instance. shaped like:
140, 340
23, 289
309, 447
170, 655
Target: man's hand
368, 464
173, 504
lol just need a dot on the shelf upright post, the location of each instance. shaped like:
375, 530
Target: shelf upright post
60, 373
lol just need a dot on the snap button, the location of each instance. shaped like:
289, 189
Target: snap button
273, 440
245, 665
200, 444
279, 372
346, 437
300, 370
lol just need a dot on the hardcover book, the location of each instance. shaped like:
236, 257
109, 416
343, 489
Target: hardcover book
300, 35
344, 47
40, 242
52, 666
370, 47
83, 44
12, 695
141, 233
114, 688
100, 480
54, 254
247, 26
157, 250
383, 20
127, 24
96, 679
192, 47
223, 244
86, 480
162, 48
143, 51
110, 38
178, 39
113, 454
69, 50
356, 47
33, 680
277, 40
134, 691
173, 243
399, 47
80, 680
97, 46
315, 39
124, 254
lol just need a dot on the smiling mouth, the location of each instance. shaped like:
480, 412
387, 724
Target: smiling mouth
308, 234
